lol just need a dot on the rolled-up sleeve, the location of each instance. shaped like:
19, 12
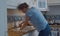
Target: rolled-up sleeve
29, 13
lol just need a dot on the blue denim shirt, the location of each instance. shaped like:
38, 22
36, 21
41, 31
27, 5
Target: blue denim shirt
37, 18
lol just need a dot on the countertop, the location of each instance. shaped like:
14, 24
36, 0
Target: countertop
15, 33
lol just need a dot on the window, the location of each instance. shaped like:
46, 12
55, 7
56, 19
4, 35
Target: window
42, 5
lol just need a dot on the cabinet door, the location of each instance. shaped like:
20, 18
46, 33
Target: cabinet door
11, 4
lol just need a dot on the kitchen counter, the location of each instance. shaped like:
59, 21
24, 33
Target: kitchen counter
13, 33
16, 33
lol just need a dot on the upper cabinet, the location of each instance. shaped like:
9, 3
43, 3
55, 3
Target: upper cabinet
53, 2
11, 4
40, 4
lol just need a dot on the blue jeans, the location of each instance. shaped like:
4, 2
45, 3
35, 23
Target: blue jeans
45, 32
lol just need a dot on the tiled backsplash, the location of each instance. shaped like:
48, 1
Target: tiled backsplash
56, 18
15, 18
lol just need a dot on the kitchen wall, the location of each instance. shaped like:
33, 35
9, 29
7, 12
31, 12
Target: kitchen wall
14, 12
53, 1
14, 15
3, 18
54, 10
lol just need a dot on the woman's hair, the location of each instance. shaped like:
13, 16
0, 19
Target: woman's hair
22, 6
